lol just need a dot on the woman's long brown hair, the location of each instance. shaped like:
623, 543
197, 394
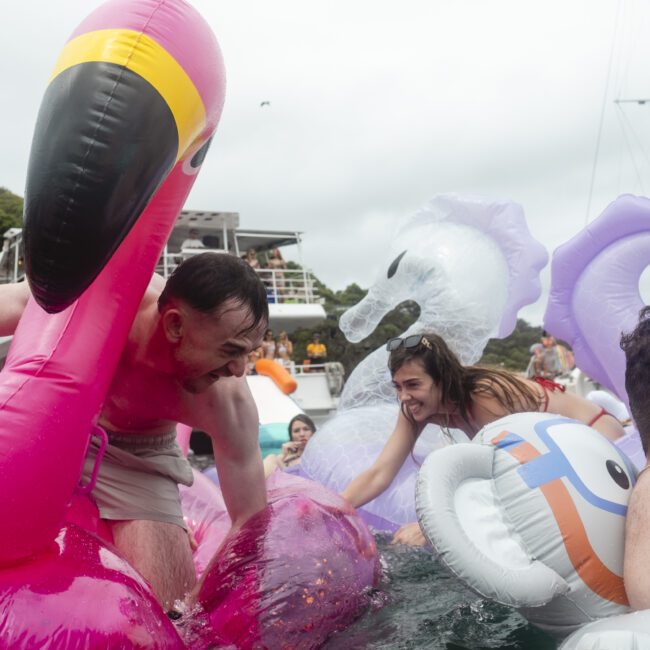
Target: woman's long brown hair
459, 384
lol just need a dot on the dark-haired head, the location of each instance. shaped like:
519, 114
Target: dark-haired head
636, 346
305, 419
440, 363
208, 281
457, 383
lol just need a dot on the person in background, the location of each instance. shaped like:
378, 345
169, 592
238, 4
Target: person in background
251, 258
636, 346
268, 345
534, 368
276, 264
316, 351
434, 388
284, 350
253, 357
549, 365
301, 429
193, 241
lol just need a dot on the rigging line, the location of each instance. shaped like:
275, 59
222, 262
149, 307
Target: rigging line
623, 119
639, 141
602, 111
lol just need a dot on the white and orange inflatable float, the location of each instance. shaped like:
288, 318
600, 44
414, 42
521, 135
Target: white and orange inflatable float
531, 514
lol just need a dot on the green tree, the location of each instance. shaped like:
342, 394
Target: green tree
512, 352
11, 210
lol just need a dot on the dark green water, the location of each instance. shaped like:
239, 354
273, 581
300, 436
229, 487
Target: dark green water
419, 605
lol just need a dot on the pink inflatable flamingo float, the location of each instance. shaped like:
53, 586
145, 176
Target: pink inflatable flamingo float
122, 131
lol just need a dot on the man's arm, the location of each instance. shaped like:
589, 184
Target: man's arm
234, 429
637, 544
13, 300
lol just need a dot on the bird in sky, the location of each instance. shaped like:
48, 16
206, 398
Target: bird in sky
265, 103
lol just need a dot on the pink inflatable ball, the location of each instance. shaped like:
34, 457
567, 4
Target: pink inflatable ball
79, 594
292, 575
206, 516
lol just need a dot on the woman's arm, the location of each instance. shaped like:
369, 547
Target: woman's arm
373, 481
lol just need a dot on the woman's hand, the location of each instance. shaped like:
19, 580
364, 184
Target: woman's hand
410, 534
290, 449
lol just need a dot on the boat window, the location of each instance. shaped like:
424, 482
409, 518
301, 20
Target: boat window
212, 241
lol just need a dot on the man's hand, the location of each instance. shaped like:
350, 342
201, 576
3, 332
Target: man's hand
192, 539
411, 535
637, 543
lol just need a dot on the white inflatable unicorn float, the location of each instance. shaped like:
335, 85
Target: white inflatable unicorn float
470, 265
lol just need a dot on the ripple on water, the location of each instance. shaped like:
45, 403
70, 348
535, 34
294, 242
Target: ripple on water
420, 605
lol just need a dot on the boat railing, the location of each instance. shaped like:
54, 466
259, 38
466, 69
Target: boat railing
286, 286
289, 286
333, 371
12, 260
282, 285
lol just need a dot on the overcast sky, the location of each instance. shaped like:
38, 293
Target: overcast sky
377, 106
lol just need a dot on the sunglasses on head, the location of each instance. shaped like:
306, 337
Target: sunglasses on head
408, 342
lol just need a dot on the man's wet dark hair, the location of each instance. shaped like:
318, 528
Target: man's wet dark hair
208, 280
636, 346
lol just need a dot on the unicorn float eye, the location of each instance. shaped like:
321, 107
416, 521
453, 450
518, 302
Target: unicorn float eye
392, 269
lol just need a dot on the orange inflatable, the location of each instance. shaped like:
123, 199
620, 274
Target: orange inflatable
284, 380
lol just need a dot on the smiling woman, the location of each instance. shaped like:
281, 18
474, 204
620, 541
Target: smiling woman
433, 387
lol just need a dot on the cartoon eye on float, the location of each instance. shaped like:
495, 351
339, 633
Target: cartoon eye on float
590, 463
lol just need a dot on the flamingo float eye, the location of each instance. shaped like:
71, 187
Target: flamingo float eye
192, 163
617, 473
199, 156
392, 269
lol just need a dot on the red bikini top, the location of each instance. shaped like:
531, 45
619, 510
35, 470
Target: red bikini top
549, 386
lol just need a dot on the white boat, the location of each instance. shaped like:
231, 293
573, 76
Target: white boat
293, 303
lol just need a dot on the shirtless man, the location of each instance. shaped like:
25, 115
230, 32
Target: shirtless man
184, 361
636, 346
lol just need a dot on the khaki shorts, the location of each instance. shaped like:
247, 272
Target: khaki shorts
138, 477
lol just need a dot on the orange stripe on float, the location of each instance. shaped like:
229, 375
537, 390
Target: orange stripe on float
601, 580
522, 451
588, 565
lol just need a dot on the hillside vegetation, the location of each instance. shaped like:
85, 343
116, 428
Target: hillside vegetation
511, 353
11, 210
